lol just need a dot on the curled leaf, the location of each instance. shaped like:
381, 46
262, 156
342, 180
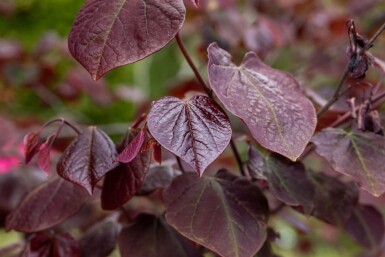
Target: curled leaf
132, 149
31, 145
269, 101
87, 159
109, 34
197, 130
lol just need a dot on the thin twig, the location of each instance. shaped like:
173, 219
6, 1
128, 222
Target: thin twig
374, 37
62, 120
180, 165
209, 93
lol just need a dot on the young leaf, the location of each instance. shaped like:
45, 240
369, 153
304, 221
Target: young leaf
287, 180
100, 240
356, 154
269, 101
132, 149
31, 142
65, 245
160, 239
158, 177
87, 159
226, 214
43, 160
366, 226
46, 206
109, 34
123, 181
197, 130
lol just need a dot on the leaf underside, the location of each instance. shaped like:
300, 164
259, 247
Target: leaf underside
109, 34
269, 101
197, 130
224, 213
357, 154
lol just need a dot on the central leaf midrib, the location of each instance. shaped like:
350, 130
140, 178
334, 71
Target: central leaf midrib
269, 105
197, 166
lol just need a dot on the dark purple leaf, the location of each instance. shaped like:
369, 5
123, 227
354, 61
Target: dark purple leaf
197, 130
158, 177
87, 159
225, 213
366, 226
159, 239
333, 200
132, 149
31, 141
123, 181
157, 152
43, 160
287, 180
108, 34
46, 206
356, 154
39, 246
65, 245
269, 101
100, 240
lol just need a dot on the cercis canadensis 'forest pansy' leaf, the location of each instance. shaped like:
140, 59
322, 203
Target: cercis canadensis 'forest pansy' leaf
197, 130
109, 34
160, 239
132, 149
123, 181
158, 177
224, 213
31, 145
46, 206
87, 159
357, 154
43, 160
269, 101
287, 180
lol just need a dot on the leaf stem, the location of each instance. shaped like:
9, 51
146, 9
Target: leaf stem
62, 120
209, 93
192, 65
374, 37
180, 165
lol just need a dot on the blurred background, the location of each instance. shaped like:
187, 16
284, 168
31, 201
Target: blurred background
39, 81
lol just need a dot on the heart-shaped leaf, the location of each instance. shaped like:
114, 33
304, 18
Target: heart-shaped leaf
225, 213
123, 181
46, 206
87, 159
356, 154
100, 240
269, 101
160, 239
197, 130
109, 34
366, 226
287, 180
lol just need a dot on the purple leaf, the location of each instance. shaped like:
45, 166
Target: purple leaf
100, 240
366, 226
123, 181
158, 177
269, 101
109, 34
225, 213
31, 142
65, 245
132, 149
195, 2
287, 180
160, 239
43, 160
356, 154
87, 159
157, 153
197, 130
46, 206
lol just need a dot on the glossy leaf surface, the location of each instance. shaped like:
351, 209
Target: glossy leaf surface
197, 130
100, 240
366, 226
269, 101
132, 149
123, 181
46, 206
287, 180
87, 159
225, 213
357, 154
109, 34
160, 239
